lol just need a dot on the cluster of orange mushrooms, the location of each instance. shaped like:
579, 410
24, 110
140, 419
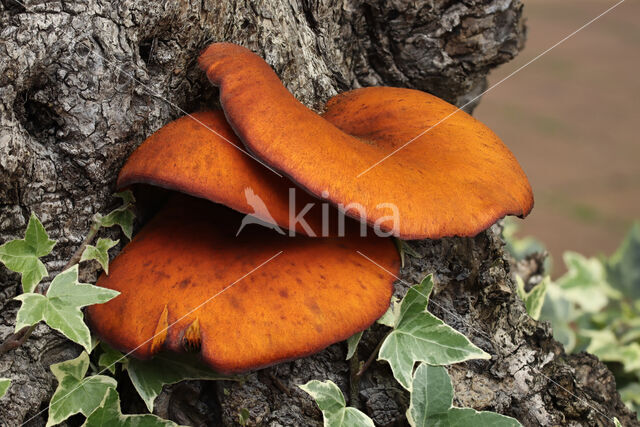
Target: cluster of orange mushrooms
246, 301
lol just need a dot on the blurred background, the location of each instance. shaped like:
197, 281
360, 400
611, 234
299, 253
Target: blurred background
570, 118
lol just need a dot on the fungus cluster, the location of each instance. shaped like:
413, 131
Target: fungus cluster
189, 281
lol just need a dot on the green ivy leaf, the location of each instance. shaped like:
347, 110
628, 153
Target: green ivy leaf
352, 344
60, 308
534, 299
109, 414
405, 248
519, 247
419, 336
22, 255
558, 310
623, 268
243, 416
585, 283
99, 252
604, 344
630, 395
122, 216
432, 403
334, 409
4, 386
75, 393
148, 377
109, 358
388, 318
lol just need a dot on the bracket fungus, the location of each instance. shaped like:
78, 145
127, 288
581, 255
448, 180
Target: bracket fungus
189, 281
185, 284
200, 155
457, 178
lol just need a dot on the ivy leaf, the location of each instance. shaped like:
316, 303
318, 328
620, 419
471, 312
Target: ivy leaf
623, 268
404, 248
534, 299
99, 252
630, 395
585, 283
21, 255
388, 318
4, 386
148, 377
122, 216
60, 308
109, 414
334, 409
243, 416
520, 247
560, 312
75, 393
352, 344
109, 358
605, 345
432, 403
419, 336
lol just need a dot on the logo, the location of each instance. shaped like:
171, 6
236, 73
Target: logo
260, 215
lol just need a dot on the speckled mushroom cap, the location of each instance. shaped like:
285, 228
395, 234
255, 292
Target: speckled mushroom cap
200, 155
457, 178
187, 282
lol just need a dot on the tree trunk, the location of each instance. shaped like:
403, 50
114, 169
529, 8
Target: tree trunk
82, 83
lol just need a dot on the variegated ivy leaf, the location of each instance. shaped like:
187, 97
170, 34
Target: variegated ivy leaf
534, 299
109, 414
334, 409
605, 344
76, 393
99, 252
149, 376
122, 216
419, 336
388, 318
352, 344
109, 358
4, 386
623, 268
60, 308
432, 404
585, 283
22, 255
405, 248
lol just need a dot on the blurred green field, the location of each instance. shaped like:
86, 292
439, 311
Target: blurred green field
570, 118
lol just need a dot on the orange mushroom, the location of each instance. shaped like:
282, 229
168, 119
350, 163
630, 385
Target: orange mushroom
458, 178
201, 156
188, 282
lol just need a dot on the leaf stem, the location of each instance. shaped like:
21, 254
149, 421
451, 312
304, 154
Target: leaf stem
15, 340
75, 258
354, 380
372, 356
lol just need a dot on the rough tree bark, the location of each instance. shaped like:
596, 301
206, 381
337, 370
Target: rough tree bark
83, 82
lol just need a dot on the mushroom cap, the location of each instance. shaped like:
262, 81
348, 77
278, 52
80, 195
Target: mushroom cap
315, 293
456, 179
201, 156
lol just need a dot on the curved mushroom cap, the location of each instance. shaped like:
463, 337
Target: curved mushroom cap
201, 156
456, 179
187, 267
